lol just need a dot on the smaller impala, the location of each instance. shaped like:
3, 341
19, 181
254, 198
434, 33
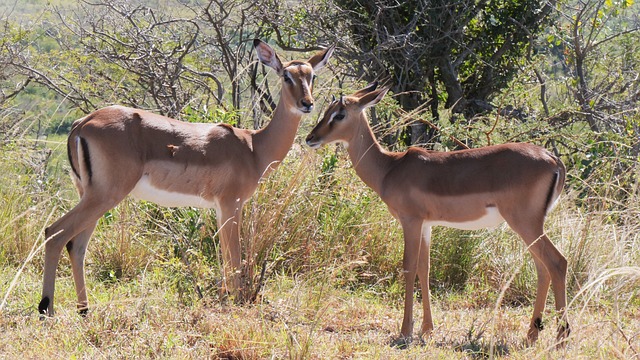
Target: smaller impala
467, 189
117, 151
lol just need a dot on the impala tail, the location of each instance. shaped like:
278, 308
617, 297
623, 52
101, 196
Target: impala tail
78, 153
558, 185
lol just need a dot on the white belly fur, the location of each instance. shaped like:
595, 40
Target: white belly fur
144, 190
490, 219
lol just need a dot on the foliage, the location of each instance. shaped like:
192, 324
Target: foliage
460, 53
154, 56
594, 42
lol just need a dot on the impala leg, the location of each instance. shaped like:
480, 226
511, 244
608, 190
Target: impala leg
423, 275
229, 221
77, 248
53, 249
541, 298
546, 256
412, 232
557, 266
77, 220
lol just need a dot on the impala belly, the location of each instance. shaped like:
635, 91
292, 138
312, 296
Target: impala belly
490, 219
144, 190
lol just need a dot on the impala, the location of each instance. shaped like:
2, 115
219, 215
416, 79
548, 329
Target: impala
466, 189
116, 151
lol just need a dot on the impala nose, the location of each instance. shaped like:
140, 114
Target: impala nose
313, 141
310, 138
306, 106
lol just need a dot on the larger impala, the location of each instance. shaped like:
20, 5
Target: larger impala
467, 189
116, 151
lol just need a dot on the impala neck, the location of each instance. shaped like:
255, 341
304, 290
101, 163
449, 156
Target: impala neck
272, 143
369, 159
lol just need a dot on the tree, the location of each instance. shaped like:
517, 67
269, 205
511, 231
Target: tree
193, 58
12, 83
593, 64
111, 51
230, 40
459, 53
116, 45
599, 42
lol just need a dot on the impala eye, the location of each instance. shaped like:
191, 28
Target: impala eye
336, 117
287, 78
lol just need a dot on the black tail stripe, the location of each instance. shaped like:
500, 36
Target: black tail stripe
87, 157
552, 188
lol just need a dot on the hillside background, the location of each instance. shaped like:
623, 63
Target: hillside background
323, 252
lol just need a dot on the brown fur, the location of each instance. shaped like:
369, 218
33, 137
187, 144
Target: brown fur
199, 161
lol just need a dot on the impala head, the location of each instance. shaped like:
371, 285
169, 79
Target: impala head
297, 76
343, 116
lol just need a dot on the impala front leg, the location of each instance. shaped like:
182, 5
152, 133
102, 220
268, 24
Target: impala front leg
412, 231
229, 220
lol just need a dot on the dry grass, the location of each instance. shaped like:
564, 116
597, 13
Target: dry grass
332, 285
301, 318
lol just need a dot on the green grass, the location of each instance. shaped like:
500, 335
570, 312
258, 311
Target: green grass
332, 286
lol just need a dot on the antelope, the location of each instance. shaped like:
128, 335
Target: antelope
467, 189
116, 151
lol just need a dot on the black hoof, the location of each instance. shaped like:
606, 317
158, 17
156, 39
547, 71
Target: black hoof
401, 342
563, 334
43, 307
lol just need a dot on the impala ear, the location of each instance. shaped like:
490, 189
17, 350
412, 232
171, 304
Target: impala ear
367, 89
320, 59
267, 55
372, 98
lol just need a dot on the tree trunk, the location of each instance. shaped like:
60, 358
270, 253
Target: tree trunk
583, 93
410, 100
449, 76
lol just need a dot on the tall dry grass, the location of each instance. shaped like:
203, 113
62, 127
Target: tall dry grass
324, 257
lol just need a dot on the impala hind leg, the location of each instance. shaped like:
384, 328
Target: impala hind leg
544, 280
77, 248
78, 220
551, 266
423, 275
556, 265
